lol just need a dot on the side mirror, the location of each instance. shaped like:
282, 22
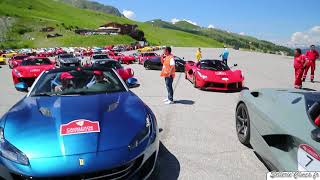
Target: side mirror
132, 83
182, 57
315, 134
22, 87
235, 65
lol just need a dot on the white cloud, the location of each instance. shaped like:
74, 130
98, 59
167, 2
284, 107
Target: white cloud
129, 14
306, 38
242, 33
175, 20
211, 26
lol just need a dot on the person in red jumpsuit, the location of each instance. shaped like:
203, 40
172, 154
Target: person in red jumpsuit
300, 63
312, 55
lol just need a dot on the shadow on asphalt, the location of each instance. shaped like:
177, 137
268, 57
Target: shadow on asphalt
316, 82
167, 167
226, 91
308, 89
185, 102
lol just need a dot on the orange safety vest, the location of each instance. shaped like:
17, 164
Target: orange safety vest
168, 70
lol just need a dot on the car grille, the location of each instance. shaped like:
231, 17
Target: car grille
215, 85
70, 64
28, 81
233, 86
119, 173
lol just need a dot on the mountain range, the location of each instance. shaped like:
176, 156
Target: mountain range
22, 21
84, 4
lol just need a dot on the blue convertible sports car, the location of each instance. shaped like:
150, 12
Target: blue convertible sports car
86, 125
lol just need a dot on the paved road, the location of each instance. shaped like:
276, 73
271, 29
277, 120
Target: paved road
198, 138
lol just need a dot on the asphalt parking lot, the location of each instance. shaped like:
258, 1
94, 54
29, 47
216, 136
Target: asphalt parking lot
198, 138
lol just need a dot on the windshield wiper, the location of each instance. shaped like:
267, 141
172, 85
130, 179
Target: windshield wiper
83, 93
44, 94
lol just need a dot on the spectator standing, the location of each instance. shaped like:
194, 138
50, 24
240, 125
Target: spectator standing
225, 55
198, 55
300, 63
312, 55
168, 72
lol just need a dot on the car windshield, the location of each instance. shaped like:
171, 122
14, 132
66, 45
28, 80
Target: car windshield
156, 59
66, 56
108, 64
311, 98
101, 56
77, 82
215, 65
36, 62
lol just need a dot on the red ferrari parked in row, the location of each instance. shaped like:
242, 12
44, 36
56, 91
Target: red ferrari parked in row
213, 75
16, 60
123, 59
125, 73
30, 68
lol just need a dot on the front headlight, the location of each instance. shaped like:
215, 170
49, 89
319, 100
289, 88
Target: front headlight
131, 72
142, 135
202, 75
10, 152
17, 72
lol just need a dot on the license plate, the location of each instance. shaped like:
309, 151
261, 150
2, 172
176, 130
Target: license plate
72, 65
308, 159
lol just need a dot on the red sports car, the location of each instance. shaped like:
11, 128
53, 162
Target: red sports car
16, 60
125, 73
30, 69
59, 51
45, 54
213, 75
144, 56
123, 59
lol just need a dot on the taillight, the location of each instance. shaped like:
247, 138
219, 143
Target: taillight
308, 149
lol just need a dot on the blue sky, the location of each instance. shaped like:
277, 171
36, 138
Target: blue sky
282, 21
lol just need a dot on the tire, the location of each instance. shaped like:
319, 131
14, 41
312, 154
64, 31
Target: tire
185, 75
10, 66
146, 66
243, 124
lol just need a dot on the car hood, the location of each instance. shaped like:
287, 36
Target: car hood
33, 125
33, 71
69, 60
231, 75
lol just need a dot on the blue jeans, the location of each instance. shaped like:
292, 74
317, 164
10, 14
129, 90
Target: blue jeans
225, 61
169, 81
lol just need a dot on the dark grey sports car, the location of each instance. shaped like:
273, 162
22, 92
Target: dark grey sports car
66, 60
155, 64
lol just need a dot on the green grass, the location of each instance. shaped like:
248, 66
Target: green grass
36, 14
230, 39
157, 36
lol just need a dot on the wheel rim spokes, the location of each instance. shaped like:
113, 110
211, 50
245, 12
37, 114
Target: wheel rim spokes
242, 126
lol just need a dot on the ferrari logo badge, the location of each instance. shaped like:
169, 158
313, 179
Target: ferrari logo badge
81, 162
